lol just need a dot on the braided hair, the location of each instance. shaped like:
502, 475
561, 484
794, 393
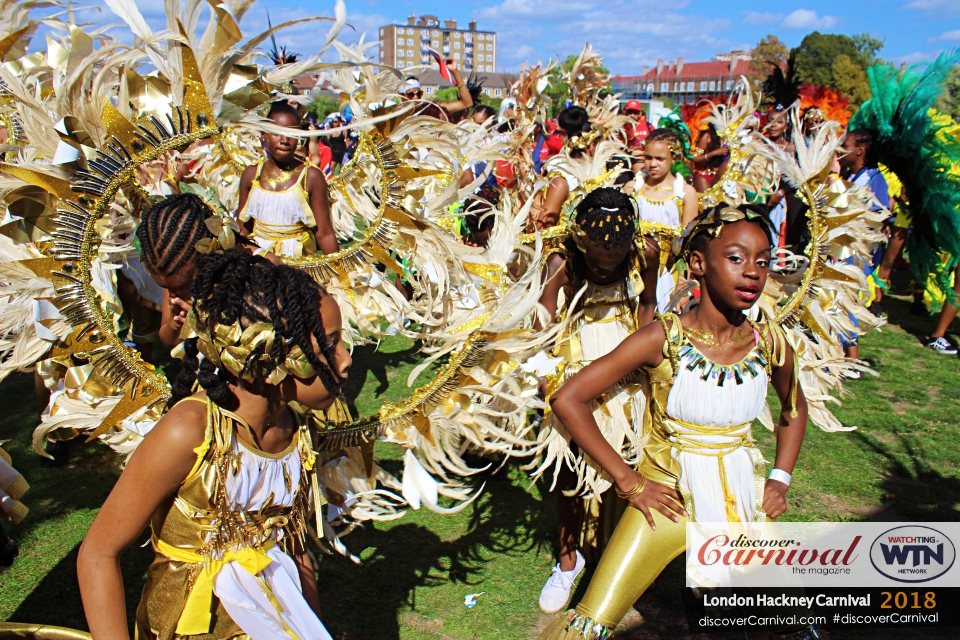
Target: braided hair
608, 217
238, 287
672, 138
169, 230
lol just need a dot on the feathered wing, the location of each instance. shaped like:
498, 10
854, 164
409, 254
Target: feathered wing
920, 146
818, 297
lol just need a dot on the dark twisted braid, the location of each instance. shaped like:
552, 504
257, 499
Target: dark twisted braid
169, 230
237, 287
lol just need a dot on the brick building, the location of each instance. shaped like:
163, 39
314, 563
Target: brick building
406, 45
685, 82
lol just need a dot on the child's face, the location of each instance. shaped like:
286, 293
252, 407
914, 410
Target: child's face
604, 263
310, 392
281, 148
657, 158
734, 267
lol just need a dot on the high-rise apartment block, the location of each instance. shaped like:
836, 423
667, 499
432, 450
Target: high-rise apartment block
406, 45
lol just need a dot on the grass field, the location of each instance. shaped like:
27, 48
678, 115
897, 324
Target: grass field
901, 463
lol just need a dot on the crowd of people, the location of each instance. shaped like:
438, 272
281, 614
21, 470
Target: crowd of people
608, 283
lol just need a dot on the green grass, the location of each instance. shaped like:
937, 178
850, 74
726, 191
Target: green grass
901, 463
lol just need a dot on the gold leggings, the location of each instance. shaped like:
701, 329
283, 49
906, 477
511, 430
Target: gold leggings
633, 559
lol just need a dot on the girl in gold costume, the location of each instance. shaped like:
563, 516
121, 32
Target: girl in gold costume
284, 205
227, 478
600, 272
708, 372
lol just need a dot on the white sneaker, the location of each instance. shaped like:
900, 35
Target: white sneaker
554, 595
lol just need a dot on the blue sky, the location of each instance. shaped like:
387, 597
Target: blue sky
631, 33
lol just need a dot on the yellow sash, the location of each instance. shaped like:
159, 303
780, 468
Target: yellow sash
196, 616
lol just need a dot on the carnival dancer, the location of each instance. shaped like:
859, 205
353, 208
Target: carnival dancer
581, 141
173, 234
224, 479
859, 165
698, 461
710, 160
284, 205
601, 263
665, 199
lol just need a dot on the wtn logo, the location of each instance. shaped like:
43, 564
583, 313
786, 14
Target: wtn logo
899, 554
912, 554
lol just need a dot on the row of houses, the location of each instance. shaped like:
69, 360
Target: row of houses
680, 81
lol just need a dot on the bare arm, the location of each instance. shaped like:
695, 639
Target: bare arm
691, 205
466, 177
553, 203
571, 404
246, 181
151, 477
320, 205
790, 433
173, 313
466, 100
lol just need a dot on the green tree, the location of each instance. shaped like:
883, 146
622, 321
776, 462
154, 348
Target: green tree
949, 102
815, 56
447, 94
770, 50
850, 79
323, 105
869, 47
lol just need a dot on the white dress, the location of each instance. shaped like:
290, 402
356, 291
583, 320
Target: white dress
283, 220
665, 211
259, 477
705, 403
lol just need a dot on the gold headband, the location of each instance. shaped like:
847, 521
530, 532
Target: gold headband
231, 348
712, 223
582, 140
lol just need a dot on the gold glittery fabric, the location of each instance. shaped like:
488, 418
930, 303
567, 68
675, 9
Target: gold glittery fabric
201, 521
636, 554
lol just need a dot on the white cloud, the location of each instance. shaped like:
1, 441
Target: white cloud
627, 33
950, 35
807, 19
934, 6
916, 57
755, 18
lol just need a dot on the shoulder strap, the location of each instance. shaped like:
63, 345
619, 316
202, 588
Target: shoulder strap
204, 446
256, 177
674, 330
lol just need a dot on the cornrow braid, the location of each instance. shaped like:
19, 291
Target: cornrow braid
238, 287
608, 217
169, 230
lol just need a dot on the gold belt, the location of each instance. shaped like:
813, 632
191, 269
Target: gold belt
688, 444
279, 232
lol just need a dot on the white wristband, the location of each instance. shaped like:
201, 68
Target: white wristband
780, 476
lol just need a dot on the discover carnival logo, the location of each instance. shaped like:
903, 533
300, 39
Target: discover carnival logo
912, 554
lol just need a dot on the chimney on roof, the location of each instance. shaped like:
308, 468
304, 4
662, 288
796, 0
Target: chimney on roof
449, 24
733, 63
659, 67
473, 25
411, 20
679, 66
646, 70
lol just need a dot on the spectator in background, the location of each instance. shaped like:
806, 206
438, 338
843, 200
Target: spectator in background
412, 90
337, 141
637, 129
